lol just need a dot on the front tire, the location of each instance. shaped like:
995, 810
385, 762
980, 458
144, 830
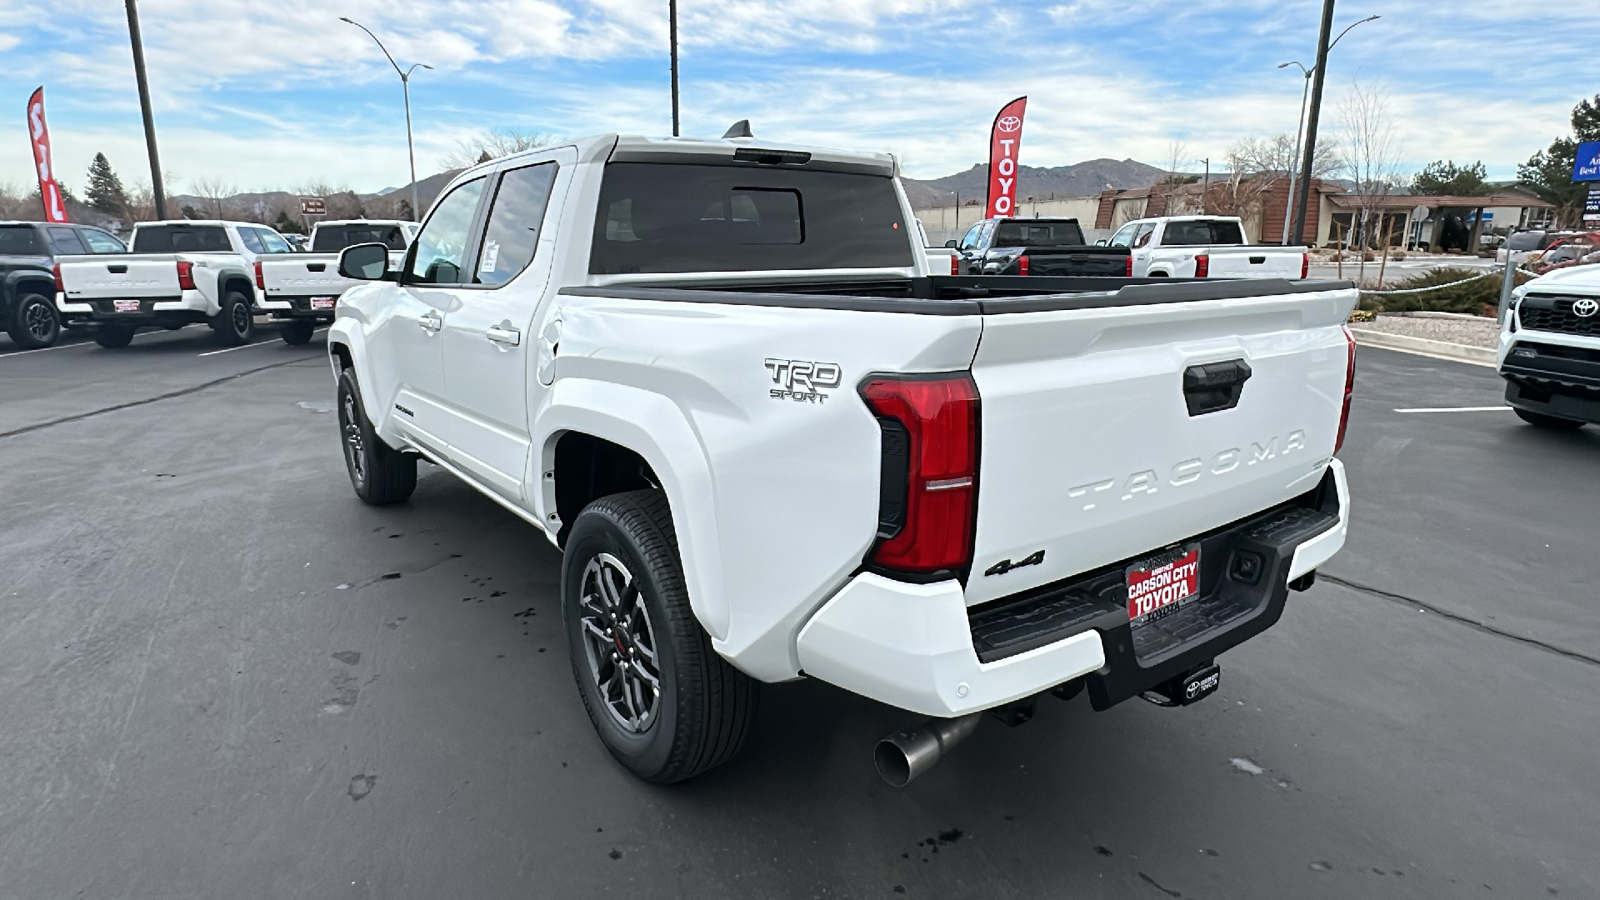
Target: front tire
234, 323
114, 337
661, 699
34, 324
1554, 423
380, 474
296, 333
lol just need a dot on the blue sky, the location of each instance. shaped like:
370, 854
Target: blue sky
279, 94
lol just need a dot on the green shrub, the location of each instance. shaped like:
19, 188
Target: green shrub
1480, 296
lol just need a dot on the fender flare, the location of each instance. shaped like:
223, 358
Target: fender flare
346, 332
654, 427
14, 280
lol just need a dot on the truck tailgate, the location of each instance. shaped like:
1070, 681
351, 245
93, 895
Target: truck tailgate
1094, 452
1255, 262
302, 275
1109, 262
120, 276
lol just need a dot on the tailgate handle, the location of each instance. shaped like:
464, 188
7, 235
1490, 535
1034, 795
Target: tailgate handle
1213, 387
1257, 260
119, 269
316, 267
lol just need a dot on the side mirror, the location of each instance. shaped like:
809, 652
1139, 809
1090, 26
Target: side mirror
951, 244
364, 262
1100, 243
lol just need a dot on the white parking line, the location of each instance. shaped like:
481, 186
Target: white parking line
43, 349
247, 346
1433, 409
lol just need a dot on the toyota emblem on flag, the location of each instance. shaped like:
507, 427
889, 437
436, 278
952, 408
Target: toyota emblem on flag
1009, 124
1585, 308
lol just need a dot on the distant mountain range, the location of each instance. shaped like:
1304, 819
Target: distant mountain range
1085, 179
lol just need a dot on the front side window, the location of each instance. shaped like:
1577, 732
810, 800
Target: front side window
970, 242
100, 242
512, 235
441, 248
1124, 235
67, 242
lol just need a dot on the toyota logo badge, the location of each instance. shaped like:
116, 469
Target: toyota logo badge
1009, 124
1585, 308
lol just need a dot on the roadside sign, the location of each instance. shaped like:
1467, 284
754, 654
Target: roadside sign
1587, 167
1591, 206
313, 206
1420, 213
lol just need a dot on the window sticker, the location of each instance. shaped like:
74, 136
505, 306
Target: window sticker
491, 253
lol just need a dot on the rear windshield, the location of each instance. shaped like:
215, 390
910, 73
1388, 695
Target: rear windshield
1194, 234
333, 238
20, 240
1013, 233
667, 217
1525, 240
180, 238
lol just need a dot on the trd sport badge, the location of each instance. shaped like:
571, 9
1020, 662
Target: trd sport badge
802, 380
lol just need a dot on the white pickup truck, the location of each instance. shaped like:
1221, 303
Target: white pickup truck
1205, 247
771, 444
177, 273
1550, 349
301, 289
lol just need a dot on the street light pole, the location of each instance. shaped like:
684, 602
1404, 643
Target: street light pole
1294, 167
1324, 47
405, 89
156, 189
672, 29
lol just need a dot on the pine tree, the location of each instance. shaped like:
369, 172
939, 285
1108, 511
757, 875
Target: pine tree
105, 191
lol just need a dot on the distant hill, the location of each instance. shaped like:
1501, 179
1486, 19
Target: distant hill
1084, 179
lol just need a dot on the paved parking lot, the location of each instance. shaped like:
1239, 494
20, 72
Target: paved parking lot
223, 676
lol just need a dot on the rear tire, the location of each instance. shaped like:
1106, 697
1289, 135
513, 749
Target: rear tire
34, 324
663, 702
234, 323
1554, 423
296, 333
114, 337
380, 474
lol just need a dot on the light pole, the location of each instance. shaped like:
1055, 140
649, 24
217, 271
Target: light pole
156, 190
405, 88
1319, 73
1299, 128
672, 38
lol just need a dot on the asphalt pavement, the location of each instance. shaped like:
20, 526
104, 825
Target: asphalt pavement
221, 675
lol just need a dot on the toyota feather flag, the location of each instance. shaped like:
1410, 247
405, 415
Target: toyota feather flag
39, 136
1004, 141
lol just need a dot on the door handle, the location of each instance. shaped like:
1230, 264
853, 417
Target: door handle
431, 322
504, 334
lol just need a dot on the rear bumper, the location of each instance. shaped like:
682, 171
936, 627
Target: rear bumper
190, 306
280, 307
1554, 379
919, 647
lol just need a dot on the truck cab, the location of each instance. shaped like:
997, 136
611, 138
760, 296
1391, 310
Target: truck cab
28, 286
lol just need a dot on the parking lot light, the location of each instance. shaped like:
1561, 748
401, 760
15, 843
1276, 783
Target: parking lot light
405, 88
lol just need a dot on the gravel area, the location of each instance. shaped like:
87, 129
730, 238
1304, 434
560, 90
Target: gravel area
1474, 331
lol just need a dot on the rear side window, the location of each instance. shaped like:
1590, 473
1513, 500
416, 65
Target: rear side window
667, 217
513, 233
181, 238
1195, 234
334, 238
67, 242
1022, 233
20, 240
252, 241
273, 241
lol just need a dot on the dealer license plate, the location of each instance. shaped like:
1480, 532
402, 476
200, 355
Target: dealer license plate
322, 302
125, 305
1159, 587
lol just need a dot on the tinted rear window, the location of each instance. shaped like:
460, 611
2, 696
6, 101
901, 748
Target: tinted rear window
337, 237
180, 238
20, 240
1025, 233
665, 217
1194, 234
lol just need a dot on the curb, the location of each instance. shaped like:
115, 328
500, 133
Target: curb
1477, 356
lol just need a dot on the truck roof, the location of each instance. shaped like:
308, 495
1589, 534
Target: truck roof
637, 148
208, 222
333, 222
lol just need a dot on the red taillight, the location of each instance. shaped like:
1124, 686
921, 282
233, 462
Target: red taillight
1349, 389
1305, 265
1202, 265
186, 276
1127, 268
1022, 264
57, 270
259, 282
955, 264
935, 445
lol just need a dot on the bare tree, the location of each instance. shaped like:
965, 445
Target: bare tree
14, 202
1371, 158
1275, 156
217, 195
493, 144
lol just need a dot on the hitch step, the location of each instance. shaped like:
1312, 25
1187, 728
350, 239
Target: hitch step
1184, 690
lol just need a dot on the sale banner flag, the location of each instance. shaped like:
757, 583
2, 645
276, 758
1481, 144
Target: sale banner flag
39, 135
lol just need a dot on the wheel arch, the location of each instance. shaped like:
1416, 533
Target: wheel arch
27, 281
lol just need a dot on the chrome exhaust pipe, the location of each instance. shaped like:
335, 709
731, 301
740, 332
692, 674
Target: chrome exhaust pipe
904, 755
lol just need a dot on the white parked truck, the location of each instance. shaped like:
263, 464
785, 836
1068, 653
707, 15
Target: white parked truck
1205, 247
176, 273
1550, 349
771, 444
301, 289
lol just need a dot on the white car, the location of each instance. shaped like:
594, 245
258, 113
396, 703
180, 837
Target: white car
1550, 349
301, 289
773, 445
177, 273
1205, 247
